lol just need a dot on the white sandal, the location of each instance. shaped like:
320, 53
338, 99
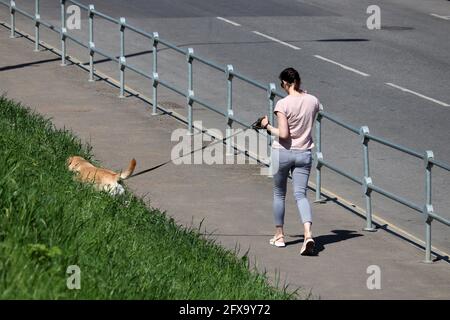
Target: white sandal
308, 247
276, 241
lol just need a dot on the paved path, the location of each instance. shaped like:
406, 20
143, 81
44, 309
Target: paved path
233, 201
410, 52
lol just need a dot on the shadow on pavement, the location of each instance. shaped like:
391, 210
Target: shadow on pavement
28, 64
323, 240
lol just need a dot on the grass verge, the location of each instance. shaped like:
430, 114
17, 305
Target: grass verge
124, 250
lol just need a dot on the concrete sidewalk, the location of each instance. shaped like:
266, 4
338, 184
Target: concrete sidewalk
233, 201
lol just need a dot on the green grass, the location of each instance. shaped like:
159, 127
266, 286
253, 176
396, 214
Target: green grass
124, 249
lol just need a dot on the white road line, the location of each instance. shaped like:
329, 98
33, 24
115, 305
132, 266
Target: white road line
229, 21
342, 66
418, 94
438, 16
276, 40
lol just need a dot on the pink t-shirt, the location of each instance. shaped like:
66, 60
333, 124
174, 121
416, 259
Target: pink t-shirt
300, 112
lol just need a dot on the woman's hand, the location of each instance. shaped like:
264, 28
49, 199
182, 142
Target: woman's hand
264, 121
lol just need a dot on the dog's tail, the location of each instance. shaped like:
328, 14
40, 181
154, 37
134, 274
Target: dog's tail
125, 174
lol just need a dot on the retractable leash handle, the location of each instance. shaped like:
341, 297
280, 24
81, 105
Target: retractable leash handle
257, 124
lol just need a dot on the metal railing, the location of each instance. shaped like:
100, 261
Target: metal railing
368, 186
365, 180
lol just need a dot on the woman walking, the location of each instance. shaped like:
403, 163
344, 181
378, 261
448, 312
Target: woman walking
291, 153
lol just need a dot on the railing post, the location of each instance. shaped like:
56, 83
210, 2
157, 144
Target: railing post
271, 99
230, 114
271, 105
37, 22
367, 181
63, 32
12, 10
155, 72
428, 208
122, 60
122, 66
63, 44
190, 58
91, 42
319, 156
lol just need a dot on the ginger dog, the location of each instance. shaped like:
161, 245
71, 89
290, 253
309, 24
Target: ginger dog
103, 179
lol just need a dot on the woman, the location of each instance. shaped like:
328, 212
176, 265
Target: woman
292, 154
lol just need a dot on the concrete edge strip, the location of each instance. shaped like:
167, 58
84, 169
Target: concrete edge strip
381, 221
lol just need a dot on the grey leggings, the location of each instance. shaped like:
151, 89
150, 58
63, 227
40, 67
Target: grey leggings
298, 163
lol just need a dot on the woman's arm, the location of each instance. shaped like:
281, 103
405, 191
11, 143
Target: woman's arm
282, 131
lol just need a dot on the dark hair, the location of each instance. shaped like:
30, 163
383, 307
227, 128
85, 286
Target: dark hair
291, 76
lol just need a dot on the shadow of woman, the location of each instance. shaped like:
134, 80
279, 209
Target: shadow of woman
323, 240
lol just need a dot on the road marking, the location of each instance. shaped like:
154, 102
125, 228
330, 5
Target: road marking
276, 40
418, 94
438, 16
229, 21
343, 66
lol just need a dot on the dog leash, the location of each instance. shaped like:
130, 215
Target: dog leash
148, 170
255, 125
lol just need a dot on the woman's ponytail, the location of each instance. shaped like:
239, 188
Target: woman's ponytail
291, 76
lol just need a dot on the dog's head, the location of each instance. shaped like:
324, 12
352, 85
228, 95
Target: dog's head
73, 162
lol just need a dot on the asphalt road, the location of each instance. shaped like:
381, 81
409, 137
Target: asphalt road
358, 74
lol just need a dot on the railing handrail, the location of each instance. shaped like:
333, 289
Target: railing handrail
83, 6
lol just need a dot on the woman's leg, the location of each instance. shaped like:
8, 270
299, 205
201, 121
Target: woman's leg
279, 188
300, 176
308, 232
